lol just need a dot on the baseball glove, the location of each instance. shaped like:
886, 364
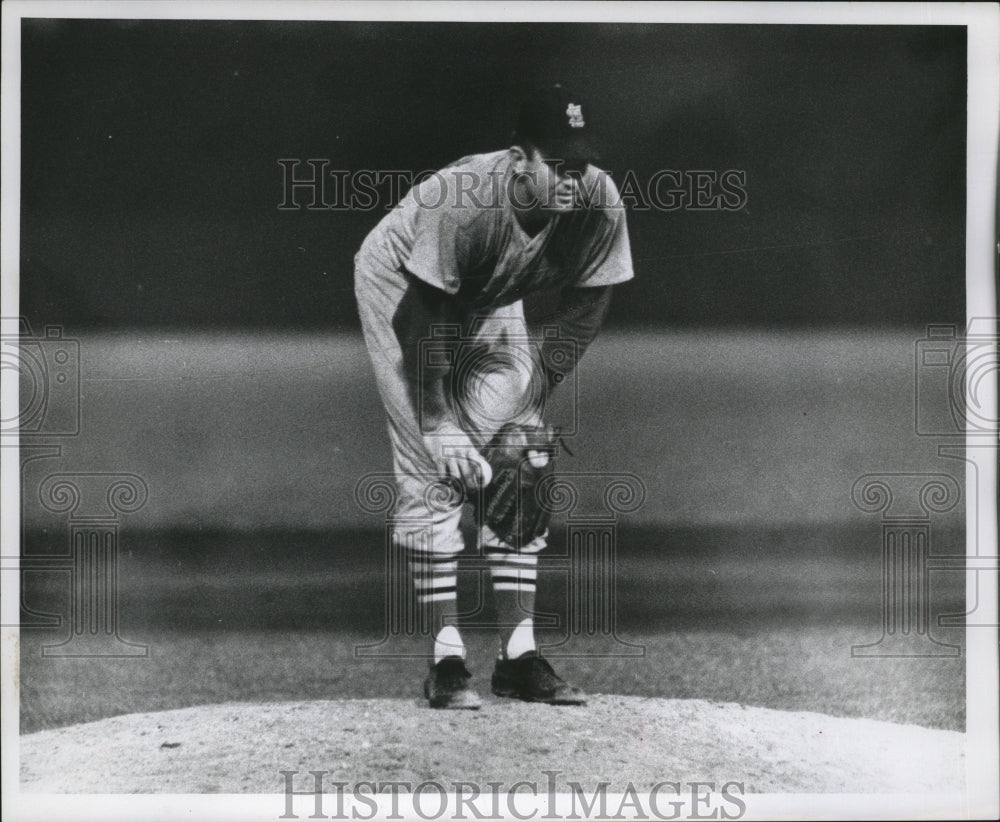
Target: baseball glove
521, 457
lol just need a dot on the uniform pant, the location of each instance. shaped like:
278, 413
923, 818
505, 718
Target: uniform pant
496, 379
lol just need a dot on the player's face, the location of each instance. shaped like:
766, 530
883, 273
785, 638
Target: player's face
553, 183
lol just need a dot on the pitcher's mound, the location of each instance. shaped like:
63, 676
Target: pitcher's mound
241, 748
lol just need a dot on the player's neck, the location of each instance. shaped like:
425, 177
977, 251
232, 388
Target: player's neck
532, 221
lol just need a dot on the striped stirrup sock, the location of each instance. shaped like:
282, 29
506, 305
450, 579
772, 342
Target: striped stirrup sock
511, 571
435, 576
435, 579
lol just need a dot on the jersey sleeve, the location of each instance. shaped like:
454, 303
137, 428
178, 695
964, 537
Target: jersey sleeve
609, 260
442, 247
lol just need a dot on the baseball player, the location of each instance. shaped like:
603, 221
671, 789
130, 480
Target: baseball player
463, 250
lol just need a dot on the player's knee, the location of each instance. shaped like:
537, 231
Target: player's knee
442, 539
489, 540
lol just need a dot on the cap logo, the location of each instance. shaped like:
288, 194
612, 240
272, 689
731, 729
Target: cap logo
575, 115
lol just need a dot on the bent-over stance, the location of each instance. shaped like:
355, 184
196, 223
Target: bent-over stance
440, 284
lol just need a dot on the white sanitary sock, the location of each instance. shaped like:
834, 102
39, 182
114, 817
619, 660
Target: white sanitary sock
522, 639
448, 642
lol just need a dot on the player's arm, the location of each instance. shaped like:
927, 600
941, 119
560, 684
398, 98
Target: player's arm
422, 308
579, 310
578, 313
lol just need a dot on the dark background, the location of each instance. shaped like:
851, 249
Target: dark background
151, 184
150, 194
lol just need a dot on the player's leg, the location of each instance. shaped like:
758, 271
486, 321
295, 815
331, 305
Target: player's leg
520, 671
425, 519
508, 387
499, 378
501, 383
425, 528
513, 574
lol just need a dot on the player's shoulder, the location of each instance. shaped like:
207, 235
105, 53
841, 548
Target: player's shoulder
599, 190
466, 187
482, 163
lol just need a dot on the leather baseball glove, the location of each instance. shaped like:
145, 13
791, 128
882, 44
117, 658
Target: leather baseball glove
521, 457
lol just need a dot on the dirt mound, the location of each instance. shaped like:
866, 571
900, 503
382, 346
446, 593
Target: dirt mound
242, 747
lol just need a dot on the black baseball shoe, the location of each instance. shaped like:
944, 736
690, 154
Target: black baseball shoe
447, 685
531, 678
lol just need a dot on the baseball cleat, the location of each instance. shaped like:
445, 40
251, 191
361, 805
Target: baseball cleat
531, 678
447, 686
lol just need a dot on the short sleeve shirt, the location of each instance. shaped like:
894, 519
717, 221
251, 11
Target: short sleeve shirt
457, 231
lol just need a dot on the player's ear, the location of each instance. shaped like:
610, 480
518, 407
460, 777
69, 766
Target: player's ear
518, 157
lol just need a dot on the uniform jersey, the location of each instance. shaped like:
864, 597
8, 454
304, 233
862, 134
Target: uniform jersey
458, 231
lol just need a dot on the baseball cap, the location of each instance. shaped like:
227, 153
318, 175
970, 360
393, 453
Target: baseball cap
554, 120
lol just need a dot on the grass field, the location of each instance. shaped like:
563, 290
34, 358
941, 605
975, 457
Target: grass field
251, 573
764, 618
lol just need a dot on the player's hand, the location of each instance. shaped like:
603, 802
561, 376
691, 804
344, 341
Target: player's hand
456, 456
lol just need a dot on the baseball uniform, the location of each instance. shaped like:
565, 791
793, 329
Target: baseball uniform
458, 238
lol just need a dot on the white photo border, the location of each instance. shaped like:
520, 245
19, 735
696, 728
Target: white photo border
983, 27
